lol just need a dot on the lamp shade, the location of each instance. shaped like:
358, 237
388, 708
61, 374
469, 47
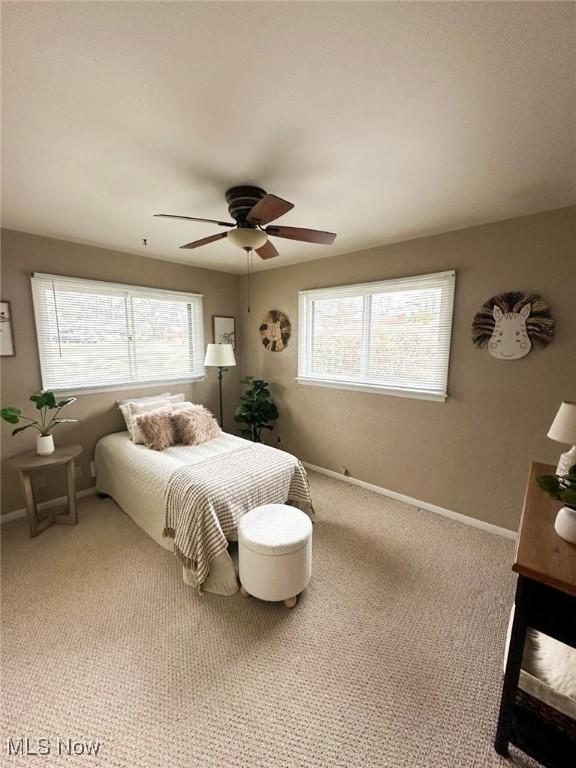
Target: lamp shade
563, 428
220, 355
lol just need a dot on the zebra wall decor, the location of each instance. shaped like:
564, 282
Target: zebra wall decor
509, 323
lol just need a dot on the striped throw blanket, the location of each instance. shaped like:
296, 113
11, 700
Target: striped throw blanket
205, 501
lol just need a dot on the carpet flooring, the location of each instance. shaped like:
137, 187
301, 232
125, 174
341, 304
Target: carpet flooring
392, 657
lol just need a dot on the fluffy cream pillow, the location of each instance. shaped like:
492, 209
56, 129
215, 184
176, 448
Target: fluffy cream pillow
195, 425
157, 428
138, 409
125, 410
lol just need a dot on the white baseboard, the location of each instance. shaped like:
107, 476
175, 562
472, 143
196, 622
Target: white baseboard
458, 516
17, 513
473, 521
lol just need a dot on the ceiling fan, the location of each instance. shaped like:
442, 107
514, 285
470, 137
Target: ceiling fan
252, 209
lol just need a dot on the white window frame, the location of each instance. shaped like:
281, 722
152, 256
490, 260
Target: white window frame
367, 290
128, 291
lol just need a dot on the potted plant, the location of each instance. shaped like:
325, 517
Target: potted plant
562, 488
45, 403
256, 410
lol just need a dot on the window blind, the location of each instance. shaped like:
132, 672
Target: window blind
93, 334
391, 336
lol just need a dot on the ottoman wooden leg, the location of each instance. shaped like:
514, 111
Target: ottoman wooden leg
291, 602
243, 592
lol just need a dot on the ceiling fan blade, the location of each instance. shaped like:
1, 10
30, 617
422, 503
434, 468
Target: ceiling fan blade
268, 251
193, 218
305, 235
205, 240
269, 208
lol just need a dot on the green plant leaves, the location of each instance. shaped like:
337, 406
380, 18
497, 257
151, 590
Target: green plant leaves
11, 415
67, 401
560, 487
256, 408
44, 400
550, 484
568, 496
21, 429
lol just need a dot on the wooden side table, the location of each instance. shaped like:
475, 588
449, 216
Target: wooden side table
26, 463
545, 601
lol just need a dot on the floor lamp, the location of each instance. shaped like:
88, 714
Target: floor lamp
220, 356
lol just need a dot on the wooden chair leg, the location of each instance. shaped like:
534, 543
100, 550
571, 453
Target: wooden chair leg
291, 602
243, 592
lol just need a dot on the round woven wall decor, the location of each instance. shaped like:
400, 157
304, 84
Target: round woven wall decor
275, 330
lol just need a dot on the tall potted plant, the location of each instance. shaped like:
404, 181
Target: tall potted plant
256, 411
49, 417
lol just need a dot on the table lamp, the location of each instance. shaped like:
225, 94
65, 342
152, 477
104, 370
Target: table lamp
220, 356
563, 430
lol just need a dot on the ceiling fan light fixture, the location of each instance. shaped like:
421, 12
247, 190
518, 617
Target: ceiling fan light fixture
247, 238
252, 209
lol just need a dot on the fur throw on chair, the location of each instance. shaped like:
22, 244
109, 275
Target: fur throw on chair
557, 664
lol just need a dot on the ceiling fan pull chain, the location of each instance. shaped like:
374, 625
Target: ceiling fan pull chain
249, 259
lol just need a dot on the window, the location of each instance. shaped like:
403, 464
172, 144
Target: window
391, 337
94, 335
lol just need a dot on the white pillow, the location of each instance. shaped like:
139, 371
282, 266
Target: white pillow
165, 397
184, 404
148, 398
125, 411
137, 409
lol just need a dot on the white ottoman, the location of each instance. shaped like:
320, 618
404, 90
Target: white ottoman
275, 553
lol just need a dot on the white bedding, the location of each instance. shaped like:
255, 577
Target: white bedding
136, 478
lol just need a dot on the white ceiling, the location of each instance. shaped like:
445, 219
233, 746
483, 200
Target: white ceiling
380, 121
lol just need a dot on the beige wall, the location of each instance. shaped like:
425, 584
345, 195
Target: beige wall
471, 453
22, 254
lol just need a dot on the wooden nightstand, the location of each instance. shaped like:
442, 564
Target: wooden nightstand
546, 601
26, 463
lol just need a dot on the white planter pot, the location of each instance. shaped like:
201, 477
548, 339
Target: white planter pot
565, 525
44, 445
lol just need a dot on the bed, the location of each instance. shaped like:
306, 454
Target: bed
145, 483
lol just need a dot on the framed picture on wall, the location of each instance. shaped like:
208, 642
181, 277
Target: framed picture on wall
224, 330
6, 335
